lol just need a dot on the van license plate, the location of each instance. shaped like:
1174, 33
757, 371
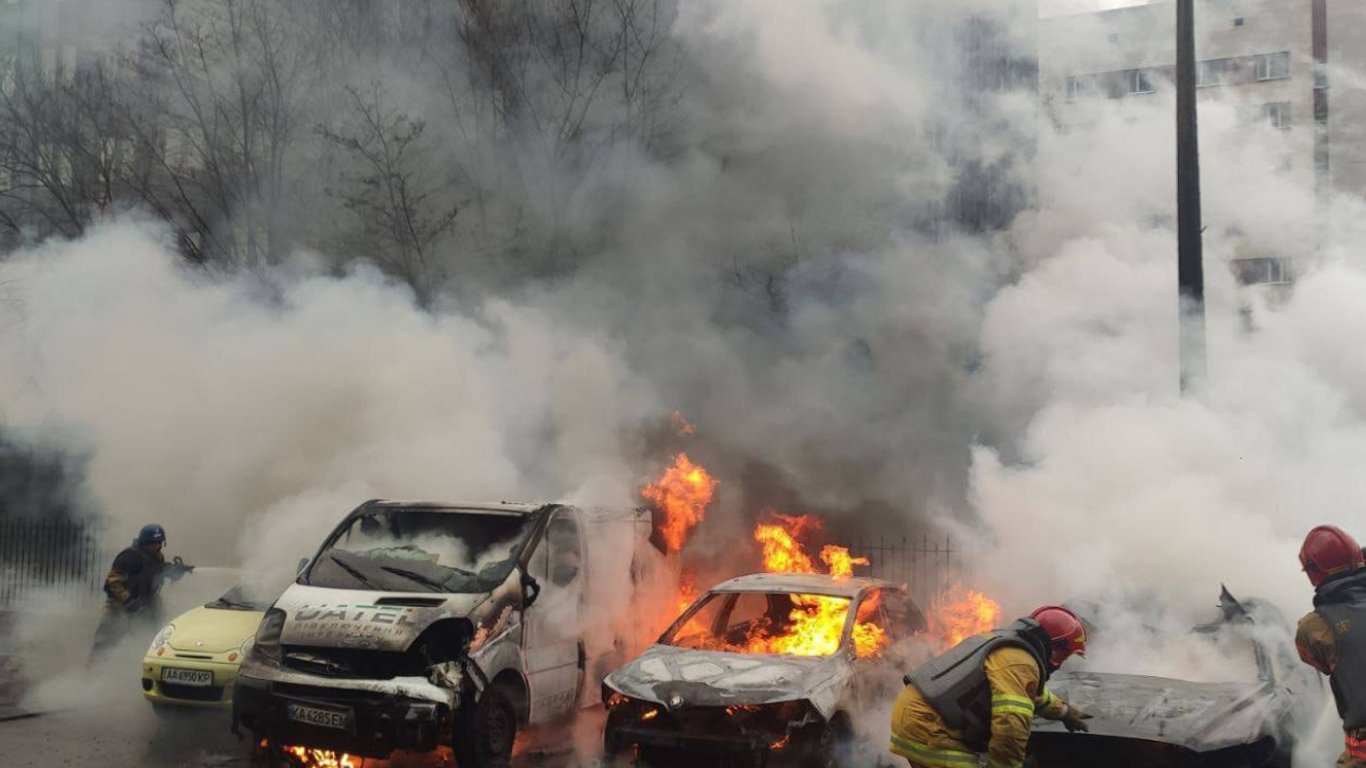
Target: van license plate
339, 719
197, 677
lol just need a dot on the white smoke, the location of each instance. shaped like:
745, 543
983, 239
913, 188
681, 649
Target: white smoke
249, 418
1105, 482
207, 406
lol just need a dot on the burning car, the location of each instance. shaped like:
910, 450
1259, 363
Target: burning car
420, 625
1157, 721
764, 668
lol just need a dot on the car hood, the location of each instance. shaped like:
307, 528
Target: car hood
213, 630
381, 621
1201, 717
713, 678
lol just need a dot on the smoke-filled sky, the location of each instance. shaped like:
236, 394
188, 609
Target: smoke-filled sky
1049, 8
770, 276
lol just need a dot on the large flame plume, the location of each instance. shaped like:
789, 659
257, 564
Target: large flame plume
962, 614
817, 621
681, 495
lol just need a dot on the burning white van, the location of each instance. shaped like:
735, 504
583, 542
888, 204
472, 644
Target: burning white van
420, 624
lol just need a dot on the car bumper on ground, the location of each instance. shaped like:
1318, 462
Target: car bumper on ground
362, 722
183, 682
662, 742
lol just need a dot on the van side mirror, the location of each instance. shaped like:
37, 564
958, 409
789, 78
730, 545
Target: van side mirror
531, 589
303, 563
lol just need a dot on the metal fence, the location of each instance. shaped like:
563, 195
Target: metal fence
60, 558
928, 567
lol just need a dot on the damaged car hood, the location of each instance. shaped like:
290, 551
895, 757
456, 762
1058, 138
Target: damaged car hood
1201, 717
713, 678
382, 621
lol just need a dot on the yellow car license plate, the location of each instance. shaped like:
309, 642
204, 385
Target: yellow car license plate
197, 677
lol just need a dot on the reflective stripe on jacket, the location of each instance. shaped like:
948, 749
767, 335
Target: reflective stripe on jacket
1017, 695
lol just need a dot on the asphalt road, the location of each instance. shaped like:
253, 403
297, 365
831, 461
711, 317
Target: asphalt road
132, 735
118, 736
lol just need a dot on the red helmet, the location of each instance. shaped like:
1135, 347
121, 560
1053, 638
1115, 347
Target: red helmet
1064, 629
1327, 552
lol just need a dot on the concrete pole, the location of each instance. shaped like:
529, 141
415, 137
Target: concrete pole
1190, 246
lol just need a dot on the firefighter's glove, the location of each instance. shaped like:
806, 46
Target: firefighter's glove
1075, 720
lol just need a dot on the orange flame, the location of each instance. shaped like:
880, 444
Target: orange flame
840, 562
817, 620
687, 590
322, 758
782, 552
681, 425
965, 612
682, 496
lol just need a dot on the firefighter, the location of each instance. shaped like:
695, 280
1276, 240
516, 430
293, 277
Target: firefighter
982, 695
1332, 637
133, 585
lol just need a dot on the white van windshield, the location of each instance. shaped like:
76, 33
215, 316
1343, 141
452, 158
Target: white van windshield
416, 550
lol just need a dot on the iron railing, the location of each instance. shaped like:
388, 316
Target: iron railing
927, 567
61, 559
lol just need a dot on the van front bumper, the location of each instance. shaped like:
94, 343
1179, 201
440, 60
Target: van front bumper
373, 723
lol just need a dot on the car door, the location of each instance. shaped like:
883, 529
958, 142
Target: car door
877, 679
552, 646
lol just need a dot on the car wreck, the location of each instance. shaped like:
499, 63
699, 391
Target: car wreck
1156, 721
419, 625
762, 669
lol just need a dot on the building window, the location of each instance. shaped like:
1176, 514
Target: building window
1210, 73
9, 71
1273, 66
1080, 86
47, 59
1142, 81
1262, 271
55, 166
66, 66
1239, 21
1277, 114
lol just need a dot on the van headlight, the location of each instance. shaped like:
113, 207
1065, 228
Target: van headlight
267, 640
160, 640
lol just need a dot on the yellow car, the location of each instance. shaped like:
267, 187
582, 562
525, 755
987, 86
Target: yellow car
193, 661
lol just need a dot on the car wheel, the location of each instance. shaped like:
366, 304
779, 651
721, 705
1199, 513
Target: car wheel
486, 732
833, 745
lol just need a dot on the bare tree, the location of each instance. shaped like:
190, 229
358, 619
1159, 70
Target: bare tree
401, 208
239, 123
223, 90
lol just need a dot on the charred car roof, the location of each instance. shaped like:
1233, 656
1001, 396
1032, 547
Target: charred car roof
801, 583
443, 506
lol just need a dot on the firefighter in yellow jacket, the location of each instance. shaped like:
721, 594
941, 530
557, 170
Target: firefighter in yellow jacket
982, 695
1332, 637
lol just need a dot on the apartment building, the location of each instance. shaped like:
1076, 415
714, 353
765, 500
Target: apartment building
1276, 60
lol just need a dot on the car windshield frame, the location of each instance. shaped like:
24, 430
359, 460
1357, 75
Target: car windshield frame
335, 567
237, 599
669, 635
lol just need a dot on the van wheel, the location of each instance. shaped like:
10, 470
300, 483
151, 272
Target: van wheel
485, 733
